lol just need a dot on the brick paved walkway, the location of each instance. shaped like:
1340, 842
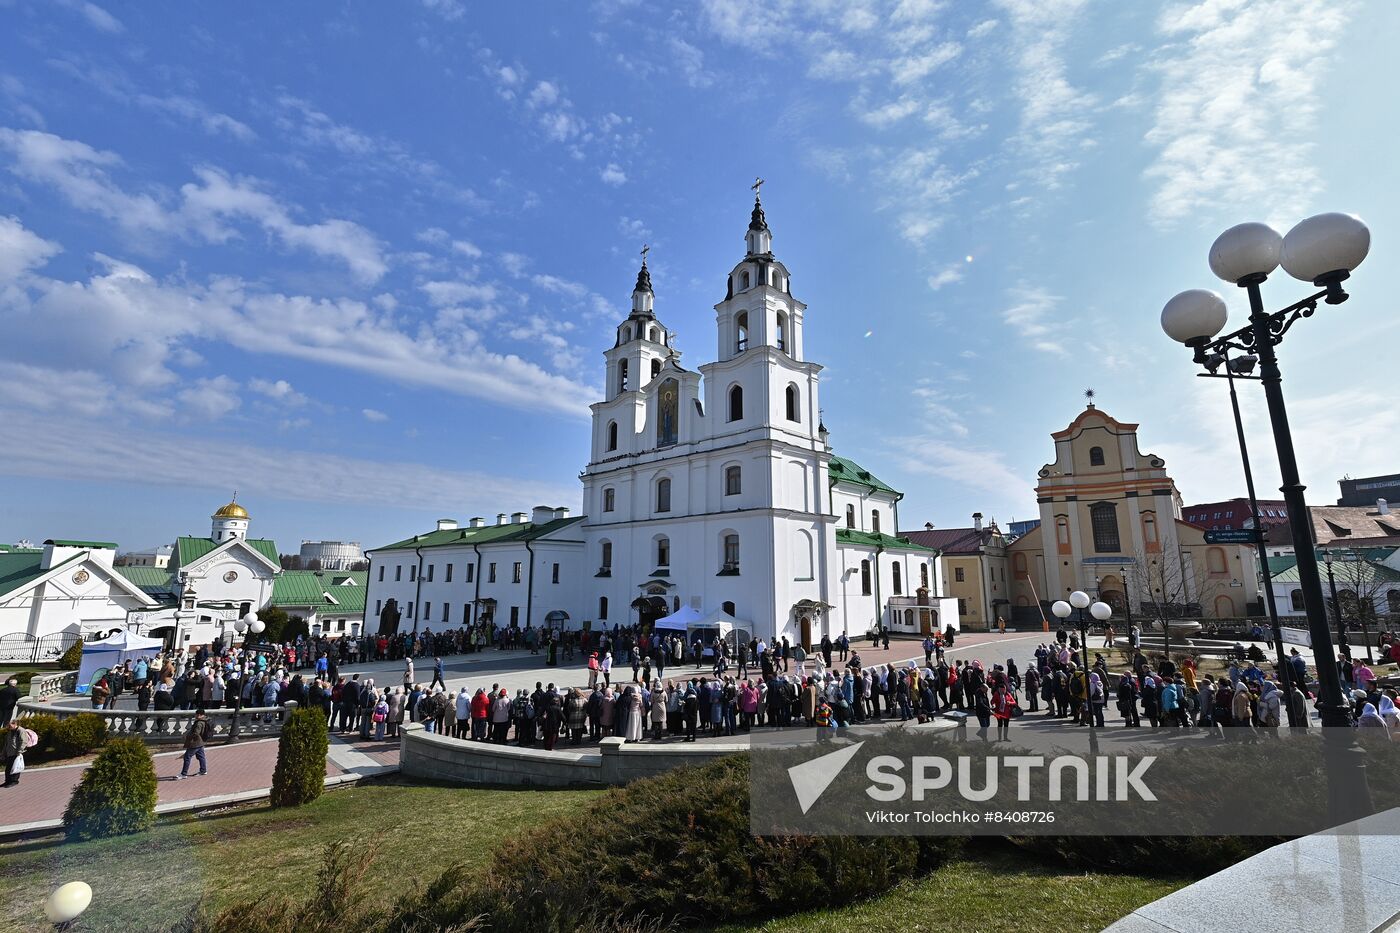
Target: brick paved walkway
236, 772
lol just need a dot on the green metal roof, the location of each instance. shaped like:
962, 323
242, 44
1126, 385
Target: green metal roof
61, 542
1347, 573
147, 576
189, 550
848, 471
18, 568
1278, 565
308, 589
487, 534
888, 542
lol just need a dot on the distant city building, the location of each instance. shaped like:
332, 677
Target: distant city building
976, 569
1376, 525
156, 557
1016, 529
333, 555
1234, 514
1365, 490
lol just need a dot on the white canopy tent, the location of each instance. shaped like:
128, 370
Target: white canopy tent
678, 621
717, 625
110, 651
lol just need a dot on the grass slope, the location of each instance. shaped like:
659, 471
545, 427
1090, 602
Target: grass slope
239, 855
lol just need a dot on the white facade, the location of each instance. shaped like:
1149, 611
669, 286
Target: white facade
158, 558
710, 489
65, 588
333, 555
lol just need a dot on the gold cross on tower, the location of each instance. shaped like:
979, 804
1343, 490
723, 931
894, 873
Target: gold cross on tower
646, 248
757, 187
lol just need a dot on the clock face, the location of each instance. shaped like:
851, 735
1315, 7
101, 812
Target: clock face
231, 576
80, 577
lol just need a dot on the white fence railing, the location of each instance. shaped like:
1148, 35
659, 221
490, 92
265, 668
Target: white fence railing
171, 725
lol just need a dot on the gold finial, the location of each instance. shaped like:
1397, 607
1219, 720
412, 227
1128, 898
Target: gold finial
1089, 397
757, 187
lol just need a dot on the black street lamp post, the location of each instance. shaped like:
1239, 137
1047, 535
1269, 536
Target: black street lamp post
1080, 601
1322, 250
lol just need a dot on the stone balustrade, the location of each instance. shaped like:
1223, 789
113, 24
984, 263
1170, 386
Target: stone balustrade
48, 686
159, 726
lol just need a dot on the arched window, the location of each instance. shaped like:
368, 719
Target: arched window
865, 578
744, 280
909, 618
627, 333
782, 331
655, 337
792, 410
655, 368
1062, 529
727, 607
733, 480
609, 499
606, 556
663, 552
736, 403
923, 576
1215, 561
675, 604
1149, 529
898, 580
1095, 456
802, 555
622, 375
1296, 597
1018, 564
730, 554
663, 495
1104, 519
875, 520
602, 607
612, 435
850, 516
741, 326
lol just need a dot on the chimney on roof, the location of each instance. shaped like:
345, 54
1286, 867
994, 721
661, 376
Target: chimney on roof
977, 521
500, 518
519, 518
928, 526
1383, 507
542, 514
561, 512
447, 524
476, 522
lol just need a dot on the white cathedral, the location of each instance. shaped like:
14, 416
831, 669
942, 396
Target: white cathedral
710, 493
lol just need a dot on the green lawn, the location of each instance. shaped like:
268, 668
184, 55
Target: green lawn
239, 855
993, 887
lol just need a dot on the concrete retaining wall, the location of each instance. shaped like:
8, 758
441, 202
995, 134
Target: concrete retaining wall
457, 761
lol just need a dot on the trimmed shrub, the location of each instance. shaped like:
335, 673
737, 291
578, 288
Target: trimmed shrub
43, 725
117, 794
72, 658
275, 622
674, 849
78, 735
300, 775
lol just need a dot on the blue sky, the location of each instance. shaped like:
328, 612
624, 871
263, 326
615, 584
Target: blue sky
361, 263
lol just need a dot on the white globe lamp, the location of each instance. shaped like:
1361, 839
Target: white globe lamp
1325, 247
1246, 251
1101, 611
68, 902
1061, 609
1079, 599
1194, 316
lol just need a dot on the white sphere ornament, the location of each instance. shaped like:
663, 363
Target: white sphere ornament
1079, 599
1194, 314
256, 626
240, 626
1245, 250
1325, 243
1061, 609
1101, 611
68, 902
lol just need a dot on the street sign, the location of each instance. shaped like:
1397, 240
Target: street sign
1232, 536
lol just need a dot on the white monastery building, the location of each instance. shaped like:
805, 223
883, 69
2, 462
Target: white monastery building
712, 489
332, 555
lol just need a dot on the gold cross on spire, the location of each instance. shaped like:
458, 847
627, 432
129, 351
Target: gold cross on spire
646, 248
757, 187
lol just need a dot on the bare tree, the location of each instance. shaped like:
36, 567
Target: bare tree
1161, 585
1359, 584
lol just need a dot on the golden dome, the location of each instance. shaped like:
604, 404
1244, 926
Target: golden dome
232, 510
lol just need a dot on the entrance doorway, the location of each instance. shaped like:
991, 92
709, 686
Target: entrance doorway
925, 622
806, 628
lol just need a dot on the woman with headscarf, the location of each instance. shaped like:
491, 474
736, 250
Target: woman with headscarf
1389, 712
632, 702
1003, 707
1241, 709
1271, 707
658, 710
1370, 719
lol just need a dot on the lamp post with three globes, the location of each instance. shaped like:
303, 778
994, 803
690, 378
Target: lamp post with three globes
1102, 612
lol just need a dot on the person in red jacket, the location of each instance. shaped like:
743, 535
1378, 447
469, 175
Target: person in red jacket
481, 709
1003, 708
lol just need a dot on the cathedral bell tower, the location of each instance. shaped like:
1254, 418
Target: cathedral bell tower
643, 342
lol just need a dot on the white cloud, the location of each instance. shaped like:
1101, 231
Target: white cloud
450, 10
690, 60
211, 399
889, 113
80, 173
21, 249
442, 294
633, 229
1238, 107
39, 389
912, 68
948, 275
466, 248
983, 28
920, 185
96, 16
279, 390
553, 283
613, 175
1032, 317
545, 94
374, 415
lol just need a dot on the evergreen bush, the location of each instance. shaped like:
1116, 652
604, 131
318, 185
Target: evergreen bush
300, 775
117, 794
77, 735
70, 659
43, 725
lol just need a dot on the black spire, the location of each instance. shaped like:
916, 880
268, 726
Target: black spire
757, 221
643, 279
